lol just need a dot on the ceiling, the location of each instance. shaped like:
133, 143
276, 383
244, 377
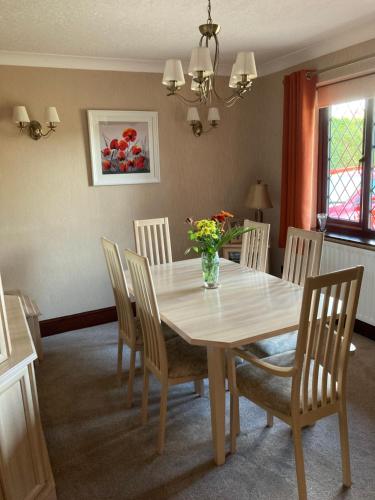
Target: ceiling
161, 29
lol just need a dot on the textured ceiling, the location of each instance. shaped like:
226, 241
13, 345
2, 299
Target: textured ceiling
159, 29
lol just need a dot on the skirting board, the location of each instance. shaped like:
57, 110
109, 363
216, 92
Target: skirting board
77, 321
108, 315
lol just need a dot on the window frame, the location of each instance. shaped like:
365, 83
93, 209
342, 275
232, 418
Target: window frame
358, 229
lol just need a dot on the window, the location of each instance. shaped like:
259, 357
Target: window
347, 167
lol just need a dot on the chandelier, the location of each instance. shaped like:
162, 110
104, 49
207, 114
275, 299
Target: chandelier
203, 74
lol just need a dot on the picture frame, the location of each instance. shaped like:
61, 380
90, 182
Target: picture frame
124, 147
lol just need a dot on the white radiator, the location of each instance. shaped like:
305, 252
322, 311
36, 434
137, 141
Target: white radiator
337, 256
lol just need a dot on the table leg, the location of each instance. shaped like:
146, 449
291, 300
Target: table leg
216, 376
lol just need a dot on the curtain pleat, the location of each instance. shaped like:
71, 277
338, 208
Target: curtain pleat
297, 156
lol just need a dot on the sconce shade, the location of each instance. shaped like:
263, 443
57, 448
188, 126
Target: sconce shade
173, 72
245, 65
200, 61
258, 196
51, 115
20, 114
213, 115
193, 115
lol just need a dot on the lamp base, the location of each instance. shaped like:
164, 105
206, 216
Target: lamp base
258, 215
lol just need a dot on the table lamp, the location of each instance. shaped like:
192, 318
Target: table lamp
258, 198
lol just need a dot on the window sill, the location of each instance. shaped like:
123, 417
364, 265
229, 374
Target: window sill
345, 239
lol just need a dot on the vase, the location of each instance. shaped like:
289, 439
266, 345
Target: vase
210, 269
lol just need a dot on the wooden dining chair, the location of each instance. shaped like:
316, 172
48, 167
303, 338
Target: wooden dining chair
305, 385
152, 240
129, 328
302, 258
172, 362
254, 250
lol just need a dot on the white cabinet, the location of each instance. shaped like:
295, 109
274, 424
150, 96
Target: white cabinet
25, 471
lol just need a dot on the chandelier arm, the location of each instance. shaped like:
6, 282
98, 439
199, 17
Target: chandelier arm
226, 100
187, 101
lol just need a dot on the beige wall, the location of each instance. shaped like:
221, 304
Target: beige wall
266, 132
51, 219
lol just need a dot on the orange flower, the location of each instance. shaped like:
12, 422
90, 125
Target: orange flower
226, 214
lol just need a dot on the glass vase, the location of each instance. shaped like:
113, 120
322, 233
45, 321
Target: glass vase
210, 269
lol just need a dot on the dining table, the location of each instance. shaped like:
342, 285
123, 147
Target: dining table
247, 306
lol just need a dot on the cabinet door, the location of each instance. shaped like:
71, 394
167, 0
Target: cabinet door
24, 466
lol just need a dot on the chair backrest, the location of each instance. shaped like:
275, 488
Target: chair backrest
5, 344
329, 307
303, 254
155, 355
120, 290
152, 240
254, 250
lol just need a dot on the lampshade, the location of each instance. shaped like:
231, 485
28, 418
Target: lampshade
234, 78
173, 72
192, 115
51, 115
258, 196
213, 115
200, 61
20, 114
245, 65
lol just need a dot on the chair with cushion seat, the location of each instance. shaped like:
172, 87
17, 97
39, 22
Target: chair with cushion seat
173, 362
302, 258
129, 328
152, 240
254, 249
309, 383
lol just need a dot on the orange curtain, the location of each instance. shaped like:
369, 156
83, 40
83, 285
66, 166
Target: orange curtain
298, 148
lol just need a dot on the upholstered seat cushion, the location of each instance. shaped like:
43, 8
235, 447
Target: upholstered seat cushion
276, 345
185, 360
273, 391
167, 332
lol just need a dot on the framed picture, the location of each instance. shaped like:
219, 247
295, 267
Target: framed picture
124, 147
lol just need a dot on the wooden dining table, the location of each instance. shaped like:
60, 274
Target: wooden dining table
248, 306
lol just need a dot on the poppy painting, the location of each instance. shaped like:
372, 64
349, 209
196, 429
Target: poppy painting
124, 147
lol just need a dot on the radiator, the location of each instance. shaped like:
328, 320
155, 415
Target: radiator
337, 256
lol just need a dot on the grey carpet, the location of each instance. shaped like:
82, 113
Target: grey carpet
99, 450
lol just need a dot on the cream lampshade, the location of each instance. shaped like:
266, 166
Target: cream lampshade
20, 114
51, 115
258, 198
173, 72
200, 61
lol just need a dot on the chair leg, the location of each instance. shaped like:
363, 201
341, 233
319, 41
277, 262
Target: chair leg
146, 376
269, 419
300, 466
120, 348
131, 377
199, 387
142, 357
234, 422
344, 439
163, 416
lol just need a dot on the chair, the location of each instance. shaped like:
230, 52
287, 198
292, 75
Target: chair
254, 249
302, 258
152, 240
305, 385
303, 253
173, 362
129, 328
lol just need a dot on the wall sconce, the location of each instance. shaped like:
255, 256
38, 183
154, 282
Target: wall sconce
194, 120
21, 117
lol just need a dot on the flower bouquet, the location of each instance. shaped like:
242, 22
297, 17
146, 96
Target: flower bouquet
209, 236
